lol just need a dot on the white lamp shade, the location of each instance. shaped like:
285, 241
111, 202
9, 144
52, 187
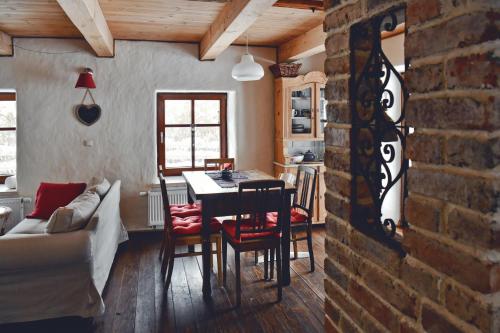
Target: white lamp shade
247, 69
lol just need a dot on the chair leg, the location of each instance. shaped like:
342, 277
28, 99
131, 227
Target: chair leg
171, 259
164, 265
224, 260
164, 257
219, 260
271, 273
310, 247
256, 258
238, 277
211, 257
162, 248
294, 240
278, 272
266, 265
163, 245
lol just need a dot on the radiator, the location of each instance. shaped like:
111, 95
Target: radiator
176, 196
20, 208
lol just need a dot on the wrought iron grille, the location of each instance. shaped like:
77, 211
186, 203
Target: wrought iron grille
378, 136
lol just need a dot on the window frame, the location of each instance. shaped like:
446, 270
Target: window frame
8, 96
161, 126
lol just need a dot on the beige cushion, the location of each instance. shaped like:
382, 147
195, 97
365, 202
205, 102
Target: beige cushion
101, 187
75, 215
29, 226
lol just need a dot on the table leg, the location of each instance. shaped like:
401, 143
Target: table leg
206, 249
190, 199
285, 242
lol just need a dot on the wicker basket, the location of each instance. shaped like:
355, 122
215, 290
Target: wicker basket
285, 70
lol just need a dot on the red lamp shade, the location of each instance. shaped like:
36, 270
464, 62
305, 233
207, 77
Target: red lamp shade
85, 80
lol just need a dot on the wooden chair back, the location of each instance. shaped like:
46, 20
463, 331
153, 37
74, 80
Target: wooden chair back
219, 164
257, 198
305, 184
167, 220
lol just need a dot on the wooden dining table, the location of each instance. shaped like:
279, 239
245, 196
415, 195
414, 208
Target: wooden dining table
220, 201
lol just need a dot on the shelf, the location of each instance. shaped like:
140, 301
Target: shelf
295, 165
302, 139
308, 97
308, 118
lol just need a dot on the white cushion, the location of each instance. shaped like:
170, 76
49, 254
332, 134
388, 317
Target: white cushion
100, 187
75, 215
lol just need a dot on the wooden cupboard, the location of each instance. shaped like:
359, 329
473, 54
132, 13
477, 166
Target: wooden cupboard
300, 107
300, 115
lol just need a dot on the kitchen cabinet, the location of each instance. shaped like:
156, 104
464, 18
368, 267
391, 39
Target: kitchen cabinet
300, 116
300, 107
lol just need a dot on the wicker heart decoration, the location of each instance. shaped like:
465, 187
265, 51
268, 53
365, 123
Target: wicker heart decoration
88, 114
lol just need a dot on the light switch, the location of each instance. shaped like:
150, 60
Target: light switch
88, 143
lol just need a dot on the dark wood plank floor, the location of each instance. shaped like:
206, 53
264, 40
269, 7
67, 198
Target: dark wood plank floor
135, 301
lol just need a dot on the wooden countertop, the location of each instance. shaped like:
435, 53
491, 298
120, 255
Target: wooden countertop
315, 164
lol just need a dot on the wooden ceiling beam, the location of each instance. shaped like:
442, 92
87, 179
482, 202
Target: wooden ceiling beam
301, 4
234, 19
87, 16
309, 43
6, 48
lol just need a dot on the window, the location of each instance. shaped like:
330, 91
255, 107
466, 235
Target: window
191, 127
7, 134
378, 134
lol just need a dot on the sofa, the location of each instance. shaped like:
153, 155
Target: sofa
49, 275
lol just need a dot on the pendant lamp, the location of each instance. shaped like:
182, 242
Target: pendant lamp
247, 69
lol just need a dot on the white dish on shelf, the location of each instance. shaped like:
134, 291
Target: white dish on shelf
297, 159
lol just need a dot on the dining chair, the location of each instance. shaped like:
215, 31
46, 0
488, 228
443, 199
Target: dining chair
301, 211
252, 231
182, 210
219, 164
185, 230
287, 177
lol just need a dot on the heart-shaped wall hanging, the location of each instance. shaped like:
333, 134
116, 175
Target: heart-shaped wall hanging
88, 114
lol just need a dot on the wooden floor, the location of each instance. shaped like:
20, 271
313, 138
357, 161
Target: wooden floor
135, 301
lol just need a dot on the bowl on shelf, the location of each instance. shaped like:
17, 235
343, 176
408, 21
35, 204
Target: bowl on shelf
297, 159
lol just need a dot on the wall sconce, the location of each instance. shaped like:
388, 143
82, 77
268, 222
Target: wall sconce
86, 79
87, 114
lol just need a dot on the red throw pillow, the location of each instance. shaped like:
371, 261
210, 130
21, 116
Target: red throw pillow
51, 196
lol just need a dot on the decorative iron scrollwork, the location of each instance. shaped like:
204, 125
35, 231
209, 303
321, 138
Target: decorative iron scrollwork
378, 99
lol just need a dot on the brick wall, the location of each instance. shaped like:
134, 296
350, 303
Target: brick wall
449, 279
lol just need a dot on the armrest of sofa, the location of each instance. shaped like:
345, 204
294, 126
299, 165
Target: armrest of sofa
37, 251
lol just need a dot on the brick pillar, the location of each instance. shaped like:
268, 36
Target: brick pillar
449, 279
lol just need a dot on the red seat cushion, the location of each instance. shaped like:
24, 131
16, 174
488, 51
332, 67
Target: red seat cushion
229, 227
295, 217
185, 210
191, 225
51, 196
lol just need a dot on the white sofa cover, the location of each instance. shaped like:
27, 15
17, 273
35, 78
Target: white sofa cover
56, 275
